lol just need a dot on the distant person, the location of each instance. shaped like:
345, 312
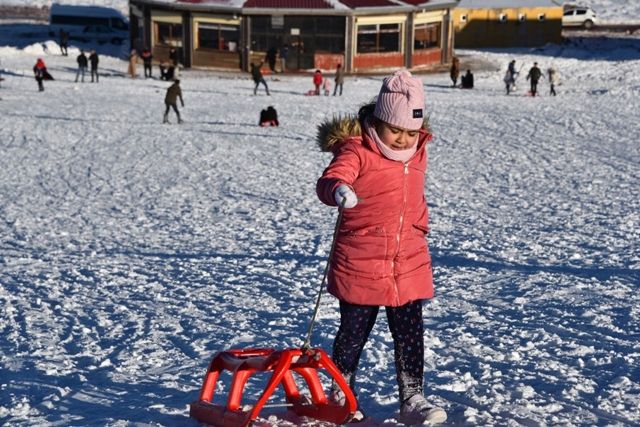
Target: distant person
146, 61
270, 57
269, 117
64, 42
554, 79
510, 76
94, 60
284, 54
40, 71
173, 56
167, 70
339, 79
83, 64
454, 71
534, 76
467, 80
171, 101
317, 81
326, 86
258, 78
133, 64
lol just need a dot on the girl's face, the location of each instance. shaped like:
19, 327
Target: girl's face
396, 138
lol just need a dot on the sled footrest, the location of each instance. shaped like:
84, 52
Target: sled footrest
244, 363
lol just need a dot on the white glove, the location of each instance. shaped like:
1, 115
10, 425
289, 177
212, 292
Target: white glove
345, 196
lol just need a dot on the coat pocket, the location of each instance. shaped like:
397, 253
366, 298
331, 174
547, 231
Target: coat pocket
363, 254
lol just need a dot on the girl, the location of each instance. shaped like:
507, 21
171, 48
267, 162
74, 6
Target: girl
381, 256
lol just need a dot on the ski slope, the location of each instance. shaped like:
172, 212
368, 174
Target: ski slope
132, 251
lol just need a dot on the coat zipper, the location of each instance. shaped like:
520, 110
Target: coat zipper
404, 205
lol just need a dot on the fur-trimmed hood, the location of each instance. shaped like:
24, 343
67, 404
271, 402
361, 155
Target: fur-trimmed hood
333, 131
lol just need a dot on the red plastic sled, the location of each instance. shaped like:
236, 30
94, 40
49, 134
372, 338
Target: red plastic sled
244, 363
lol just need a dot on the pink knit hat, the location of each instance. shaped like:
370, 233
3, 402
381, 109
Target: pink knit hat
401, 101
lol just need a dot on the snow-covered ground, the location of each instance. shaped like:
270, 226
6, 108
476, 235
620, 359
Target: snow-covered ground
609, 11
132, 251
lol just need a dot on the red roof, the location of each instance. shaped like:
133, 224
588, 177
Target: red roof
288, 4
415, 2
367, 3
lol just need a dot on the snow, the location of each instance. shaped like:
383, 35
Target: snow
133, 251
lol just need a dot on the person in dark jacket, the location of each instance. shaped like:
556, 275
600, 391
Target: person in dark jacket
94, 60
284, 54
270, 57
258, 78
454, 71
534, 76
82, 65
339, 80
146, 60
510, 76
269, 117
467, 80
171, 100
64, 42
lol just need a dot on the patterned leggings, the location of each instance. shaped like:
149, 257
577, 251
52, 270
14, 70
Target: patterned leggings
407, 330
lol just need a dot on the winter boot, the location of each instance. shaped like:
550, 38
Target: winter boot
179, 119
338, 398
418, 411
165, 119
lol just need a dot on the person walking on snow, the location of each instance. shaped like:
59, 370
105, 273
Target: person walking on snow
284, 54
554, 79
64, 42
326, 86
40, 71
94, 60
381, 257
82, 65
133, 64
146, 61
258, 78
534, 76
454, 72
339, 80
510, 76
171, 101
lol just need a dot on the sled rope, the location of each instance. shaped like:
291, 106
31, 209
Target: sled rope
307, 341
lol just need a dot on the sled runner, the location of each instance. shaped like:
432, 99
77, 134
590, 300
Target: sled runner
244, 363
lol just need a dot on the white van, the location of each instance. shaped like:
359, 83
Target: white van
89, 23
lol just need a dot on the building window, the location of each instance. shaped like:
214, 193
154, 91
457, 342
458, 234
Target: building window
378, 38
167, 34
426, 36
522, 17
503, 18
218, 37
541, 17
463, 18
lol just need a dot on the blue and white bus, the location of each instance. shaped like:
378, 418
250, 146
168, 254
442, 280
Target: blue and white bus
89, 23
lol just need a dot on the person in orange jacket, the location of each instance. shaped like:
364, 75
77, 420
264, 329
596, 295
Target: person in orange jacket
381, 257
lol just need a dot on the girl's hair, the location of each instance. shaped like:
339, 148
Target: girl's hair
367, 111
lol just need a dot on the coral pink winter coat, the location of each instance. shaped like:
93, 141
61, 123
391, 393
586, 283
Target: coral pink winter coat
381, 255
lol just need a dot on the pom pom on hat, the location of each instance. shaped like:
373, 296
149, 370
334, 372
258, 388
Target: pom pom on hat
401, 101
